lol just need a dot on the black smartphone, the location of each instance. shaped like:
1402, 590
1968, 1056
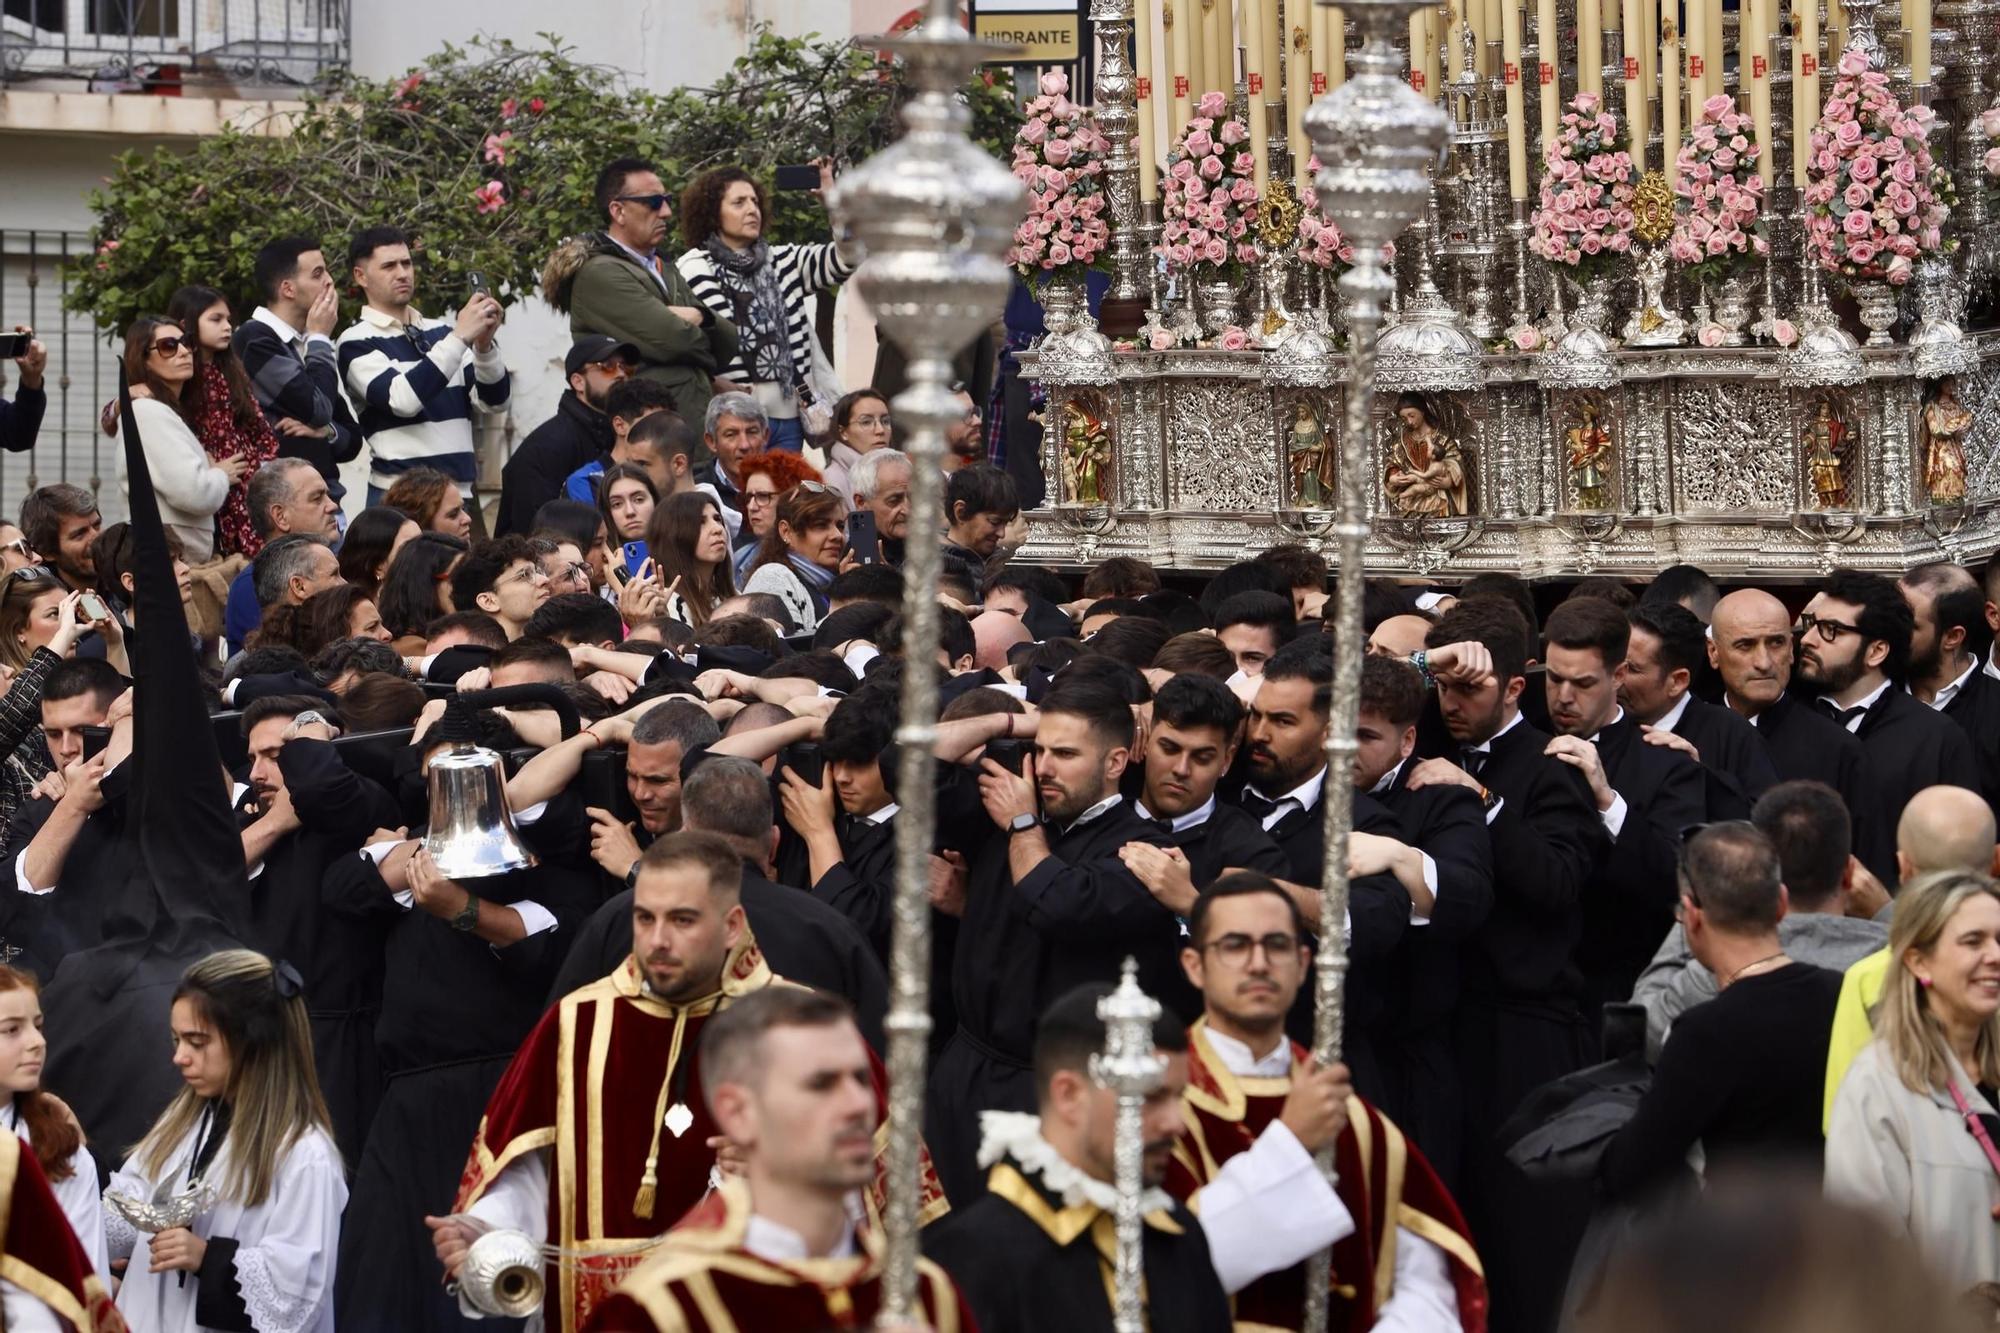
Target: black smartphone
619, 575
1011, 755
806, 759
803, 176
14, 345
862, 538
477, 281
94, 741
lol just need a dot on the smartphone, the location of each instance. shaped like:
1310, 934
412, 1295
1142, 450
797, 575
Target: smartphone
477, 281
94, 741
636, 554
806, 759
90, 607
14, 345
619, 575
1011, 755
861, 537
804, 176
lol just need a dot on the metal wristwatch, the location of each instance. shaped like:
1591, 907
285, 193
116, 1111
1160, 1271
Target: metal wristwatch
468, 918
1021, 824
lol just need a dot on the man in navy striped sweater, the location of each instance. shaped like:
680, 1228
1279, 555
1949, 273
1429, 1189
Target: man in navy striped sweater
415, 380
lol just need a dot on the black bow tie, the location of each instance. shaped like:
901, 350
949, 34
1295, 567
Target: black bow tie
1842, 715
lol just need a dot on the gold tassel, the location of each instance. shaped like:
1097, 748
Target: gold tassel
642, 1206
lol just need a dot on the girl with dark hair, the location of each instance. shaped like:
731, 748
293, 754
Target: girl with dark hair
250, 1135
628, 498
222, 408
42, 1122
433, 500
692, 546
372, 541
570, 520
189, 485
861, 425
417, 587
806, 547
341, 612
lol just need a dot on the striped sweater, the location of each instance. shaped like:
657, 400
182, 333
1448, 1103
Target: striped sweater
416, 386
802, 271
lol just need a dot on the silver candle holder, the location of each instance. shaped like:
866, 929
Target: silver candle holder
1131, 1067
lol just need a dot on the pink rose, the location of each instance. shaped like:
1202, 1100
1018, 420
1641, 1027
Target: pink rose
1899, 270
1848, 133
1033, 130
1858, 195
1861, 252
1182, 170
1056, 151
1211, 105
1054, 83
1525, 337
1853, 63
1199, 144
1710, 335
1234, 339
1989, 122
1904, 172
1857, 223
1211, 168
1217, 250
1160, 339
1784, 332
1232, 133
497, 147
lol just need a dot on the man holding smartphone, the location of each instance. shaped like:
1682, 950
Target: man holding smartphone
21, 420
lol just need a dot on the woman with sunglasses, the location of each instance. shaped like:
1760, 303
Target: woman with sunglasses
191, 486
693, 546
222, 408
861, 425
806, 547
628, 497
416, 589
14, 549
372, 541
433, 500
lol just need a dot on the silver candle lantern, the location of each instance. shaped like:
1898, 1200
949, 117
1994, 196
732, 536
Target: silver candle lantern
1131, 1067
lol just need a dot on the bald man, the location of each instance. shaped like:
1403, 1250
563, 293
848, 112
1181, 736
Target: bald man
994, 632
1399, 636
1750, 646
1946, 648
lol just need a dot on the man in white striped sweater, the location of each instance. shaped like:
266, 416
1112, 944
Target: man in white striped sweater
416, 381
762, 289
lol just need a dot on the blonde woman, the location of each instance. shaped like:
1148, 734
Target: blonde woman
251, 1128
1914, 1130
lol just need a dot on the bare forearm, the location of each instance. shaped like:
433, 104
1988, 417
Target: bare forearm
822, 852
1409, 872
499, 924
1025, 851
764, 742
542, 777
259, 839
1307, 900
959, 738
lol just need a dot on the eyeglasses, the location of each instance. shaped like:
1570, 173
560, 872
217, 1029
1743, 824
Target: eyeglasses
868, 422
816, 488
29, 573
617, 370
758, 497
575, 570
1236, 949
1829, 630
19, 544
171, 347
528, 575
653, 202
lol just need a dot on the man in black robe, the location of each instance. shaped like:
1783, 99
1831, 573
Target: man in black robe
1645, 795
1519, 1021
1667, 652
1037, 1249
1050, 906
1947, 647
1853, 656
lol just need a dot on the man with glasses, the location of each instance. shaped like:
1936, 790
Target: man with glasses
616, 283
1854, 653
579, 432
964, 441
502, 578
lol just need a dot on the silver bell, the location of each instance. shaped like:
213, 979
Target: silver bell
472, 831
502, 1275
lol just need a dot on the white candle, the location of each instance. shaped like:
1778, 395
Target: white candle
1758, 52
1589, 48
1253, 83
1697, 46
1920, 42
1142, 41
1631, 34
1335, 19
1670, 98
1299, 78
1547, 47
1180, 61
1517, 106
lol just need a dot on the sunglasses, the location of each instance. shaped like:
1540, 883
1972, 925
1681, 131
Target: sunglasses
816, 488
171, 347
652, 202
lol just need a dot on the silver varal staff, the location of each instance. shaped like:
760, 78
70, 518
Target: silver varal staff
1375, 137
1131, 1067
934, 214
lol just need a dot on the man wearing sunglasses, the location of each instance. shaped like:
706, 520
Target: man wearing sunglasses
617, 284
579, 431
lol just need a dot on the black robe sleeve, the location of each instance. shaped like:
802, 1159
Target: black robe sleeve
218, 1300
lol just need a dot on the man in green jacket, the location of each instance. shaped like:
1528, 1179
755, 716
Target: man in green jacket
617, 283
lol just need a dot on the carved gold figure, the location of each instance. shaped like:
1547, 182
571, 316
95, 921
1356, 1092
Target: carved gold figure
1945, 421
1425, 477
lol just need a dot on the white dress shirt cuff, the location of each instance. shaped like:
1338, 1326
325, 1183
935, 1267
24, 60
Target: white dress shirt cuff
517, 1201
21, 876
535, 918
1424, 1299
1430, 882
1614, 818
1267, 1209
1494, 813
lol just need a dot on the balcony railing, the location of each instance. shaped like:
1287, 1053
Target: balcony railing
164, 45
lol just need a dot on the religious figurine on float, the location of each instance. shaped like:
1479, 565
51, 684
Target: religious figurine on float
1309, 460
1589, 446
1426, 476
1086, 454
1823, 461
1945, 421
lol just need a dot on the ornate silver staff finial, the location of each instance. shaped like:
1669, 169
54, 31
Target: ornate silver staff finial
1131, 1067
935, 215
1374, 136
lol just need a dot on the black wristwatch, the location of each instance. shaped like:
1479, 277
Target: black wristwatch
632, 875
1021, 824
468, 918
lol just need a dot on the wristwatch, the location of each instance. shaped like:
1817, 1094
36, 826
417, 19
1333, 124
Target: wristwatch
468, 918
1021, 824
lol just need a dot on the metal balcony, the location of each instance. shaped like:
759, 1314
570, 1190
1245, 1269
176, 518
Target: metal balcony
211, 47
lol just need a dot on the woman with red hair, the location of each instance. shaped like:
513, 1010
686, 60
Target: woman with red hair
766, 476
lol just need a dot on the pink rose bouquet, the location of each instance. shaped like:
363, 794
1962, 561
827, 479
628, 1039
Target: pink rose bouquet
1320, 241
1584, 221
1059, 156
1720, 198
1989, 126
1209, 201
1875, 200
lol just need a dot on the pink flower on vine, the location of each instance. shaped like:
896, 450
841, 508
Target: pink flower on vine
406, 91
509, 108
490, 197
498, 146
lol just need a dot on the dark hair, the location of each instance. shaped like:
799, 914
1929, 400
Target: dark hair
1733, 874
635, 400
666, 431
1307, 659
1134, 640
75, 677
1120, 576
798, 509
1884, 614
1032, 580
1296, 564
325, 617
43, 510
580, 617
569, 520
1380, 601
1180, 613
408, 597
710, 853
1266, 610
282, 560
370, 239
1097, 702
868, 583
1392, 690
287, 706
481, 628
1243, 576
861, 727
369, 538
1198, 653
955, 634
544, 654
820, 666
273, 484
701, 203
1590, 622
739, 631
186, 307
732, 1042
1070, 1033
378, 701
982, 489
611, 180
1116, 607
1239, 884
1807, 823
726, 796
276, 660
1189, 702
138, 357
1604, 588
1683, 583
980, 701
1683, 638
111, 557
278, 263
618, 472
358, 656
419, 493
1957, 602
483, 566
671, 535
1490, 621
857, 620
843, 410
1509, 589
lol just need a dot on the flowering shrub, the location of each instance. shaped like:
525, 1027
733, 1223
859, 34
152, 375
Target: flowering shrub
1584, 221
1210, 200
1872, 197
1720, 197
1059, 156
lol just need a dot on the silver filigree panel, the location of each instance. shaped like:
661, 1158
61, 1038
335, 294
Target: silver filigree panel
1222, 454
1980, 392
1733, 449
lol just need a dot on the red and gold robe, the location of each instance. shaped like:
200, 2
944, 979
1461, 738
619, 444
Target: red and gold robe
38, 1251
602, 1082
1384, 1182
700, 1279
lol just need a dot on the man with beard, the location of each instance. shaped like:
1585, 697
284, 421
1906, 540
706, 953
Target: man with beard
1645, 797
1948, 641
1853, 652
1049, 906
1519, 1023
1033, 1252
1256, 1109
578, 432
1667, 649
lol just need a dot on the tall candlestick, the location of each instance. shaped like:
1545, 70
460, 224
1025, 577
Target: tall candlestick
1697, 45
1145, 22
1919, 23
1491, 30
1633, 33
1273, 34
1670, 98
1300, 76
1253, 88
1589, 47
1335, 19
1758, 53
1181, 36
1517, 105
1548, 51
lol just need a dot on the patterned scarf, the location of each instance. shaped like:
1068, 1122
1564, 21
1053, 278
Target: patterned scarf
757, 302
215, 426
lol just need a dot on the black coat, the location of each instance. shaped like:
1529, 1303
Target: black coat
1229, 840
559, 446
21, 420
1805, 743
1737, 766
1906, 746
1976, 708
861, 887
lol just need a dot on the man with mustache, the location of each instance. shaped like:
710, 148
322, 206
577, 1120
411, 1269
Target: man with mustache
1854, 652
1030, 1253
1945, 653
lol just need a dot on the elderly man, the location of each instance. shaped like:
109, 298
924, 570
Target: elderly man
881, 483
732, 428
286, 495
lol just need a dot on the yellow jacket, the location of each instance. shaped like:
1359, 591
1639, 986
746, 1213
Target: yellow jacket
1853, 1028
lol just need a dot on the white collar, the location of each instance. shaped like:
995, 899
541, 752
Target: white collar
1853, 723
382, 319
1237, 1059
1671, 719
882, 816
1387, 782
778, 1243
646, 261
1305, 795
1486, 746
1616, 718
263, 315
1993, 661
1182, 823
1949, 692
1092, 813
1019, 1136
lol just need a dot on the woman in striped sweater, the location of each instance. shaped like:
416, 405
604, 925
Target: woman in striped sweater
760, 287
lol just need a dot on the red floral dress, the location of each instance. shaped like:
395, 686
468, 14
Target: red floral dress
215, 426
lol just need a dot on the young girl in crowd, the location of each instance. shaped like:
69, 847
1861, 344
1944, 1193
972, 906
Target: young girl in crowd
222, 408
416, 589
861, 425
42, 1122
628, 498
251, 1130
372, 541
693, 549
433, 500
